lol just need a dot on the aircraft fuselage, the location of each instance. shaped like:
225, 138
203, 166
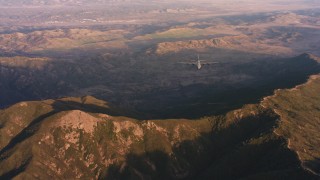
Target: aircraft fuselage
199, 65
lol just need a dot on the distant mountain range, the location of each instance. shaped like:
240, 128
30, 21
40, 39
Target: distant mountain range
75, 2
57, 2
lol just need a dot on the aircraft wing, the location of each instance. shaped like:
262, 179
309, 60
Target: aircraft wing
210, 62
187, 63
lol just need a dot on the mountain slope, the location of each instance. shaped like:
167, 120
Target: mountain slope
300, 115
85, 138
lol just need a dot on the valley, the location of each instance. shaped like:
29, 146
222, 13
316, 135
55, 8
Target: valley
134, 65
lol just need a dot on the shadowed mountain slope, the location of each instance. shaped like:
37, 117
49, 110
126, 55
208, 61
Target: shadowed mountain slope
86, 138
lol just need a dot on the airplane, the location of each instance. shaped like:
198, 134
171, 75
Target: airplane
199, 63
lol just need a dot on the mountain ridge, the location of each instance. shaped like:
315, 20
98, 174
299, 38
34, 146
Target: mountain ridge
174, 149
291, 118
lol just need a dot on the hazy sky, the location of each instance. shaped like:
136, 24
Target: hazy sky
235, 2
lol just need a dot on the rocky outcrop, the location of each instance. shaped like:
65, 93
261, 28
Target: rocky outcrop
166, 47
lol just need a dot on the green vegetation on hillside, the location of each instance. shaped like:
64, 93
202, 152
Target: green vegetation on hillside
94, 142
299, 109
